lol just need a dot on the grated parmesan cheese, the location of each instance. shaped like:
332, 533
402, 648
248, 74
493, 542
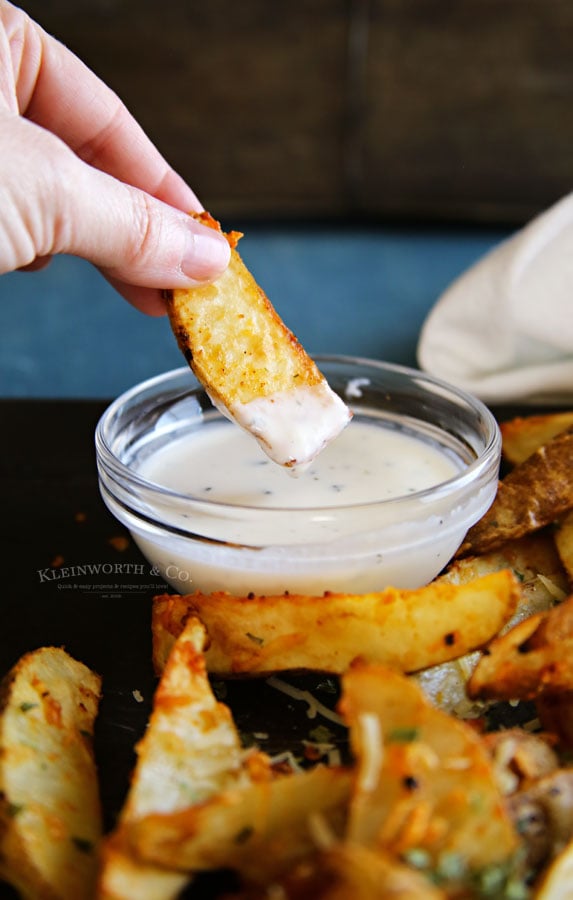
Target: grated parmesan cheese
287, 756
315, 707
551, 587
372, 756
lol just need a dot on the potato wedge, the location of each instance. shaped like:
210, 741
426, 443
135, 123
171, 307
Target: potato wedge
347, 870
564, 543
260, 830
253, 368
534, 661
50, 817
190, 751
409, 629
557, 880
424, 780
523, 435
534, 494
542, 581
513, 668
533, 657
533, 559
169, 614
124, 877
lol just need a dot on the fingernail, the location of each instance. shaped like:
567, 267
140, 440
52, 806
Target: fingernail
206, 255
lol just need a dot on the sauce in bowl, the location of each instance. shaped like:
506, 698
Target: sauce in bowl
365, 462
388, 502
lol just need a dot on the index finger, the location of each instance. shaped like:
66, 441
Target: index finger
59, 92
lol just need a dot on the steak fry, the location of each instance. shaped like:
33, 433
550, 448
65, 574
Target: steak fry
533, 494
253, 368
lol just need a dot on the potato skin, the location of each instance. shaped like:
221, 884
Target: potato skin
50, 817
531, 496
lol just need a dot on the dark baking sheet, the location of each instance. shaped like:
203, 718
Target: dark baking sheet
53, 516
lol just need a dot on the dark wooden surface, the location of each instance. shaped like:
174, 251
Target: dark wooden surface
439, 110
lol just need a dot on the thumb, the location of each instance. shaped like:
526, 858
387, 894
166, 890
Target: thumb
137, 239
52, 202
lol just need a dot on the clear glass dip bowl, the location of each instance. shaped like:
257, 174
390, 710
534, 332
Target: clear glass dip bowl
201, 545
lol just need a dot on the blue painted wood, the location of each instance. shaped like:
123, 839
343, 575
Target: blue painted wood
64, 332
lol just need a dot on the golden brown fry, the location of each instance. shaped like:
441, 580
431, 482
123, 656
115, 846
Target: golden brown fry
542, 580
349, 871
125, 877
534, 560
424, 780
409, 629
50, 818
259, 830
524, 435
557, 881
532, 495
168, 617
534, 657
252, 366
190, 751
564, 543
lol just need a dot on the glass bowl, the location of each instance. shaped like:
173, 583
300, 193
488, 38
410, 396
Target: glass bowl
201, 544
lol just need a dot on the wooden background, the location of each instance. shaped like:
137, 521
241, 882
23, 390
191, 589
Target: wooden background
391, 110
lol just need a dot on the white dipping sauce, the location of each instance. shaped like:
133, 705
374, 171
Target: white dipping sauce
260, 529
364, 464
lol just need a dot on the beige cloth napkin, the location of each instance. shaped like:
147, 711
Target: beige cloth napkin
504, 329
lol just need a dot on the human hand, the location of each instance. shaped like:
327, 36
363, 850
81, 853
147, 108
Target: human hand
79, 176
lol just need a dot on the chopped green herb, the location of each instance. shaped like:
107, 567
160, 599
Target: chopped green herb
516, 890
404, 735
451, 867
492, 880
14, 809
24, 707
321, 734
255, 639
418, 858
